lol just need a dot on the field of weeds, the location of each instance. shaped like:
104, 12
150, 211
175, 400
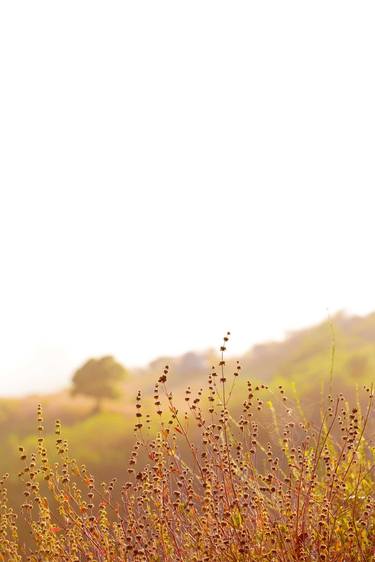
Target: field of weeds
204, 484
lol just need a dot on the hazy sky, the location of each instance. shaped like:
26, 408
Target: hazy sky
171, 170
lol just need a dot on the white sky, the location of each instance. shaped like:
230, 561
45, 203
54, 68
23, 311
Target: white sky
171, 170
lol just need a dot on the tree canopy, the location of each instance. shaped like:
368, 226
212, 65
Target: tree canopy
99, 378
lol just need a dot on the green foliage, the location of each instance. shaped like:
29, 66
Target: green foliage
99, 378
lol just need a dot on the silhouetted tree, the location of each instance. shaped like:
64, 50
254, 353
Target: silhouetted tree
99, 378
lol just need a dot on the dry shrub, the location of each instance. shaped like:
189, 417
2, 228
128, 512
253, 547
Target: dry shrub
204, 487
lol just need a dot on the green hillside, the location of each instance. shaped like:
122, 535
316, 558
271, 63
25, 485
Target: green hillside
345, 344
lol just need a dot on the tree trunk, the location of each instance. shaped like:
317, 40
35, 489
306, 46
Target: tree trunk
98, 406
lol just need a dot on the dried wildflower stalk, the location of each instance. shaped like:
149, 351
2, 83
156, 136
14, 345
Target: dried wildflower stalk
205, 487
